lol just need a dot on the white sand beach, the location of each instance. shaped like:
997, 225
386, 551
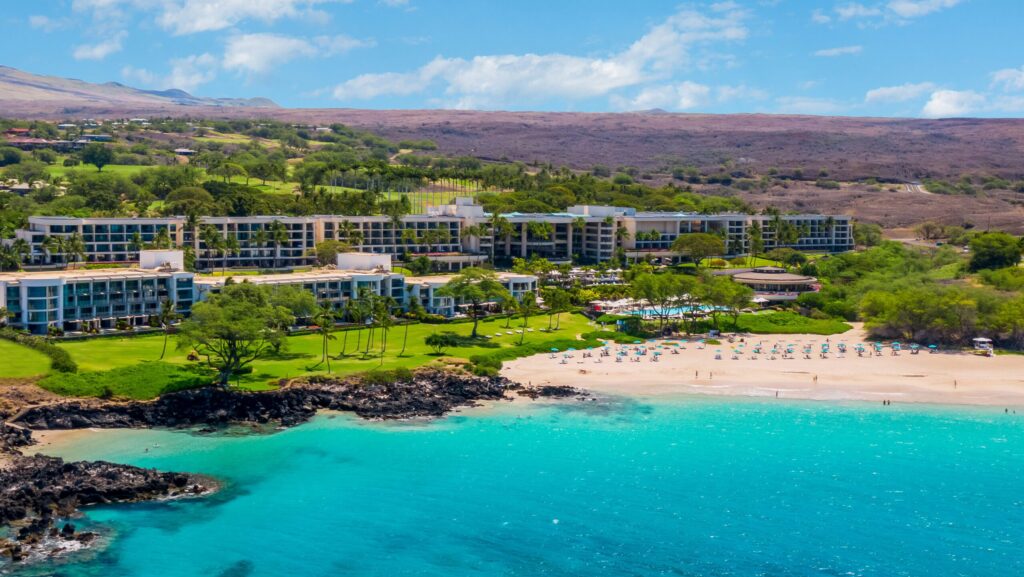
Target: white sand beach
943, 377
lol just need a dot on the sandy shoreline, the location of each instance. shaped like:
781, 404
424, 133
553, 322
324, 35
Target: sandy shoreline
943, 378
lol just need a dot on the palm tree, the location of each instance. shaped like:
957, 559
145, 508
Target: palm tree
135, 244
382, 315
162, 240
830, 225
167, 315
258, 241
621, 234
231, 247
473, 231
74, 247
51, 245
278, 235
509, 306
527, 307
212, 240
324, 318
22, 248
417, 311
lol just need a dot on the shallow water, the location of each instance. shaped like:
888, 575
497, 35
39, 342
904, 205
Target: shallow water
689, 487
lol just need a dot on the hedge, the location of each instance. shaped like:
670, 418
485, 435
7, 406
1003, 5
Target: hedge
60, 360
490, 363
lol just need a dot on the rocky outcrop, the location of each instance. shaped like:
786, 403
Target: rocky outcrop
13, 438
431, 393
37, 491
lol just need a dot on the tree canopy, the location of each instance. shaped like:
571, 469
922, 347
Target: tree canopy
234, 327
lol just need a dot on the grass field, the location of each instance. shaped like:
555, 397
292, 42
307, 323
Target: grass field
140, 381
301, 354
20, 361
122, 169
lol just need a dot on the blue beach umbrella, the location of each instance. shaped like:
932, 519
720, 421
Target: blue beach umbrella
933, 346
554, 350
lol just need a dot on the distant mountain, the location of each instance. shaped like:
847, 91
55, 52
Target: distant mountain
21, 90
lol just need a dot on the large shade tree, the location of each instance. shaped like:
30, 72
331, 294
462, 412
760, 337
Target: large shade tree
474, 287
699, 246
234, 327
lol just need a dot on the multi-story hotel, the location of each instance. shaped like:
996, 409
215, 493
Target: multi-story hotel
105, 299
453, 236
87, 300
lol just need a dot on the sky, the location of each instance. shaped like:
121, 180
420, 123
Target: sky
908, 58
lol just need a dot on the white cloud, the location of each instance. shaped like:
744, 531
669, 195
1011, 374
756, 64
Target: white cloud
686, 95
682, 96
855, 10
101, 49
918, 8
1010, 79
807, 105
494, 79
840, 51
191, 16
45, 23
881, 13
260, 53
949, 103
340, 44
186, 73
901, 93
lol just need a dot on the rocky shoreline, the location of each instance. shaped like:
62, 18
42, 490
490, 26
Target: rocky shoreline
37, 491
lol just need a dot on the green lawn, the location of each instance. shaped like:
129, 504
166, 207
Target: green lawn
20, 361
123, 169
302, 353
140, 381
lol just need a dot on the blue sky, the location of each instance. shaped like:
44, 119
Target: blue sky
928, 58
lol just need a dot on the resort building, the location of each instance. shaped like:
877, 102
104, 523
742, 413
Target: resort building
358, 272
96, 300
451, 236
774, 284
425, 289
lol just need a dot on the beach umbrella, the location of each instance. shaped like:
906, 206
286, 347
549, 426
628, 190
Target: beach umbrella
570, 349
554, 350
637, 342
933, 346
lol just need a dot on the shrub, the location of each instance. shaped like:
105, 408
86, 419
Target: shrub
492, 361
60, 360
142, 381
387, 376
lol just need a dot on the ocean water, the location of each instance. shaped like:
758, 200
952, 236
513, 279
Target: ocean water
681, 487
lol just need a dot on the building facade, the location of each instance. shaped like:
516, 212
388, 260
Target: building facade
94, 300
452, 236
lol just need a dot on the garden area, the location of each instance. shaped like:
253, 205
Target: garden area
129, 366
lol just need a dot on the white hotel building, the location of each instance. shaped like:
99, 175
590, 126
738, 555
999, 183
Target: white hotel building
586, 233
103, 299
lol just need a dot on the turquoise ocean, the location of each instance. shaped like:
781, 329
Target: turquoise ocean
677, 487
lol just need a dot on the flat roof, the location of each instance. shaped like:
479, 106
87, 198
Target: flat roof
87, 274
444, 278
775, 278
295, 277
